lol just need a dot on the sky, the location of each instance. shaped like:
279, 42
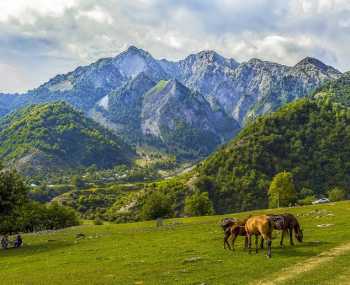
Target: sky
41, 38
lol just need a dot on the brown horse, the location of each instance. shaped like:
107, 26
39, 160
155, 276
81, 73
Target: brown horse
238, 229
226, 225
259, 225
287, 223
234, 227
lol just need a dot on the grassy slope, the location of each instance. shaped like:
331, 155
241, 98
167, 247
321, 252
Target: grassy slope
140, 253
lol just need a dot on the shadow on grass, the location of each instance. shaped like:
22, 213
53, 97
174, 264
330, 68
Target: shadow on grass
293, 250
33, 249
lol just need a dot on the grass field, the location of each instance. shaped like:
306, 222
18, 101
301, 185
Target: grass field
183, 251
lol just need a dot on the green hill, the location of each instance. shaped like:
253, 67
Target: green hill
183, 251
54, 136
310, 138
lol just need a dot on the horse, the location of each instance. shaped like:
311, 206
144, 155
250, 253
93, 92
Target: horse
259, 225
226, 225
237, 229
287, 223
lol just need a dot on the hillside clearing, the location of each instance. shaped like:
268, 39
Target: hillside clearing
183, 251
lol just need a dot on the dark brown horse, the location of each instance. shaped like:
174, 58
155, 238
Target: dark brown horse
287, 223
237, 229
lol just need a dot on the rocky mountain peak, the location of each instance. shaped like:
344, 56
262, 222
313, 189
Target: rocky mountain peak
314, 63
311, 61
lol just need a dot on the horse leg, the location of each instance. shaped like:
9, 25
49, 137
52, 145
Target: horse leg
249, 243
233, 241
245, 242
262, 243
269, 242
226, 241
256, 243
291, 236
282, 237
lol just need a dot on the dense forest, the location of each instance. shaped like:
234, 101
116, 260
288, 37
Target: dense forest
309, 138
54, 136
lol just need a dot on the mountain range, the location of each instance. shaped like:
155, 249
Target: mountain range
187, 107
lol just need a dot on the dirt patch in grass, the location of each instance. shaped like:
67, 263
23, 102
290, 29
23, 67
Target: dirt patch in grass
305, 266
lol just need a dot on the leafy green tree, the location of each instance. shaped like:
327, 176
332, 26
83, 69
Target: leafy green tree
198, 204
282, 190
337, 194
305, 192
77, 182
36, 216
13, 192
156, 205
13, 195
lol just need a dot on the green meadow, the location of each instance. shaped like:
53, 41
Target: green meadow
182, 251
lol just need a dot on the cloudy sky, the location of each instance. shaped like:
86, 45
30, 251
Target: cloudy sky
40, 38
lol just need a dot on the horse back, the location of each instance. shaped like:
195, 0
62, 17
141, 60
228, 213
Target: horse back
260, 225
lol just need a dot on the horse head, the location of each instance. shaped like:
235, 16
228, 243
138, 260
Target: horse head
299, 235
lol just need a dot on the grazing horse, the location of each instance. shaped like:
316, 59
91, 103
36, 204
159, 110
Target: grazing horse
228, 222
259, 225
226, 225
237, 229
287, 223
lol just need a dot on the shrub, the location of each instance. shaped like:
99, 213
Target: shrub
337, 194
307, 200
156, 205
35, 217
198, 204
98, 221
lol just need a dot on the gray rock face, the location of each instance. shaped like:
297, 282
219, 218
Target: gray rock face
206, 97
184, 120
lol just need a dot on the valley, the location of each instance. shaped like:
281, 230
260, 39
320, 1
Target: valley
182, 251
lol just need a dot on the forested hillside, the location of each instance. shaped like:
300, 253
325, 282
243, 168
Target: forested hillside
54, 136
310, 138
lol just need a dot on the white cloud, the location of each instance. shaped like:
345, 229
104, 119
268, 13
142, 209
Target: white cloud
62, 34
97, 14
19, 9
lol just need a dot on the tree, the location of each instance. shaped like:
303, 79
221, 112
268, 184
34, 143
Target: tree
13, 195
156, 205
337, 194
282, 190
77, 182
198, 204
13, 192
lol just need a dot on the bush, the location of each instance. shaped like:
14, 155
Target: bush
337, 194
307, 200
305, 192
198, 204
98, 221
35, 217
122, 217
156, 205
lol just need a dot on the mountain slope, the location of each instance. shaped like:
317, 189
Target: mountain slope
54, 136
310, 138
121, 110
337, 91
183, 121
